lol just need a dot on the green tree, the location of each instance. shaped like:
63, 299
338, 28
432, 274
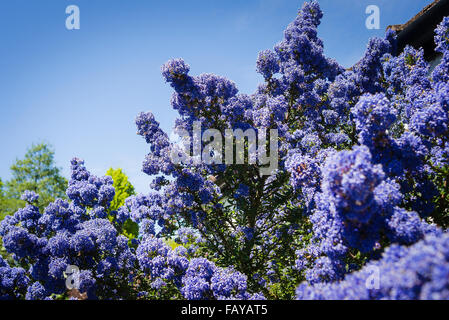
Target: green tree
36, 172
123, 190
2, 199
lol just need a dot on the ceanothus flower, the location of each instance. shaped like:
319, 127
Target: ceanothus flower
362, 159
355, 207
350, 180
13, 282
196, 281
175, 69
417, 272
442, 36
29, 196
229, 284
430, 121
204, 280
267, 64
21, 242
36, 292
373, 117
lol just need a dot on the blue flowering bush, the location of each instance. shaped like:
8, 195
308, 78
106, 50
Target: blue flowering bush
361, 186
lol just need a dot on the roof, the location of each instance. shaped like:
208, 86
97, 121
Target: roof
419, 31
400, 27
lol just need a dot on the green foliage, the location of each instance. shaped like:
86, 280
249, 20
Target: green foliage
172, 243
288, 277
2, 199
441, 180
123, 190
36, 172
130, 229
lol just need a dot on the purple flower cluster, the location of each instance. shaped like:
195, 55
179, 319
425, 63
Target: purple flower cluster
402, 273
267, 64
161, 263
13, 281
204, 280
356, 207
79, 233
30, 196
362, 172
86, 190
158, 160
66, 234
358, 146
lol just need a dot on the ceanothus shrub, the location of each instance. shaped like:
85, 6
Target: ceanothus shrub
361, 182
85, 233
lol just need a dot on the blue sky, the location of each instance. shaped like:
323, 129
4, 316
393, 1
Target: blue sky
81, 90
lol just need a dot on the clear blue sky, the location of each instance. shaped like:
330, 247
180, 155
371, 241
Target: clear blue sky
81, 90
